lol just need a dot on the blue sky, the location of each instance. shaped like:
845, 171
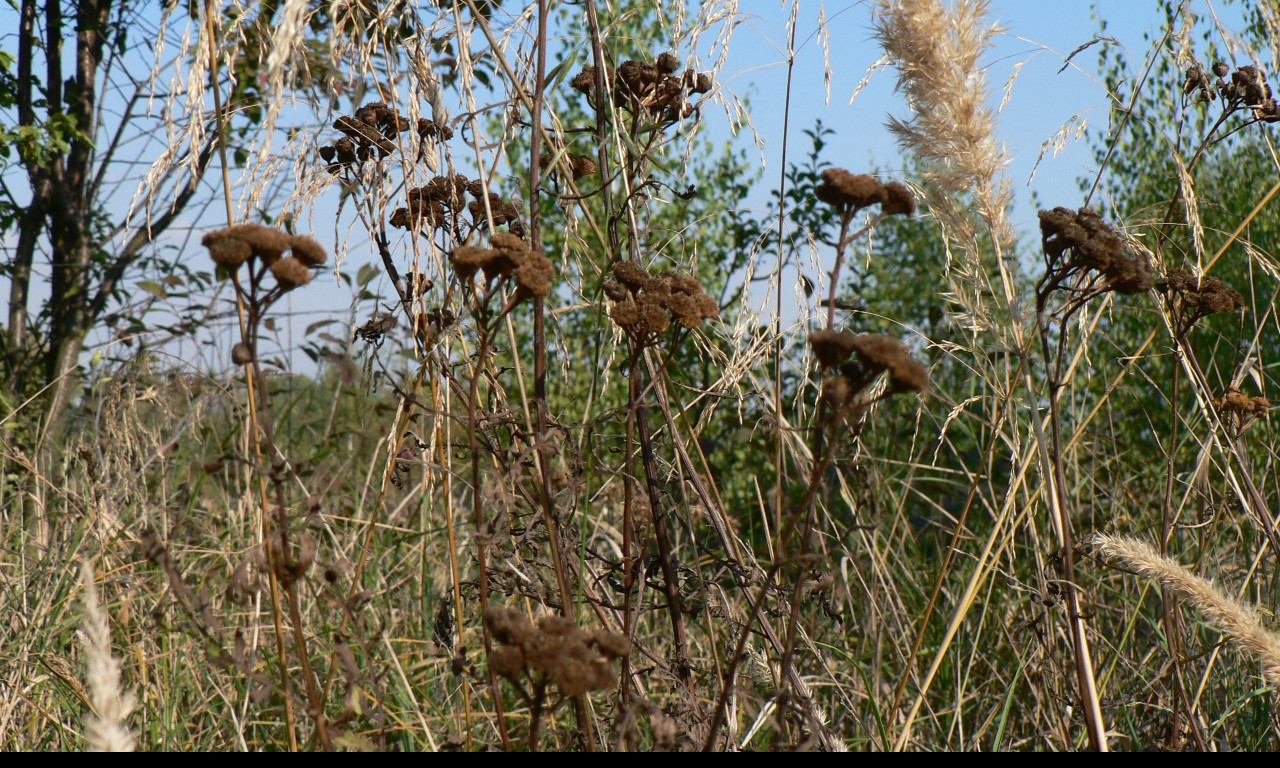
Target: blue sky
1039, 35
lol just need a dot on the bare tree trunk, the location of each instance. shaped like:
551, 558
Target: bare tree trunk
69, 209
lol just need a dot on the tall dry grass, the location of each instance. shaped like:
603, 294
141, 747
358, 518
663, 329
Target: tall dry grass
561, 489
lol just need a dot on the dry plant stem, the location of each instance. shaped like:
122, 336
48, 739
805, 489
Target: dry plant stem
713, 505
540, 355
482, 532
278, 544
367, 546
251, 377
539, 320
1168, 601
777, 316
659, 525
402, 289
821, 451
536, 705
442, 440
791, 677
824, 457
211, 10
1166, 229
629, 562
247, 331
1128, 113
248, 325
842, 246
605, 102
1086, 685
730, 675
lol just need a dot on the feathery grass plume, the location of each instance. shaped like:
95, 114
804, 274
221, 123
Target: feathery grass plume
1242, 623
105, 729
952, 131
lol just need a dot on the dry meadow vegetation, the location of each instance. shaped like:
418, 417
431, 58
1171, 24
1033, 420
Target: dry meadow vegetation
576, 482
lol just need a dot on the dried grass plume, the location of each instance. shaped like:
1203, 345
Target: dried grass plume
1242, 623
105, 729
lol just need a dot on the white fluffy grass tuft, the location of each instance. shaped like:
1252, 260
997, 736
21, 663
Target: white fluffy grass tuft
106, 729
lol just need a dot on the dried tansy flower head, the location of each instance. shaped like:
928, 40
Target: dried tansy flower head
575, 660
877, 352
851, 192
652, 86
429, 129
855, 360
506, 257
832, 347
579, 165
1075, 242
1246, 89
291, 273
307, 250
440, 203
899, 200
1199, 297
534, 275
227, 251
1239, 409
371, 129
231, 247
645, 305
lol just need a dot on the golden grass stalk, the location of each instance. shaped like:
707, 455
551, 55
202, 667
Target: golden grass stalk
1242, 623
106, 729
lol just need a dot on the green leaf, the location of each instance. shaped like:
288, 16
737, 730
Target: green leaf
318, 325
561, 70
354, 742
153, 288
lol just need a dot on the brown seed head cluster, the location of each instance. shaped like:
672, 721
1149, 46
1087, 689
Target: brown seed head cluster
1199, 297
1241, 409
440, 203
645, 305
576, 660
1246, 89
372, 128
431, 130
506, 257
872, 354
832, 347
231, 247
653, 86
852, 192
1079, 241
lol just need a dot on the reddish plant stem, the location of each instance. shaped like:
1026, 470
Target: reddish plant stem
656, 508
